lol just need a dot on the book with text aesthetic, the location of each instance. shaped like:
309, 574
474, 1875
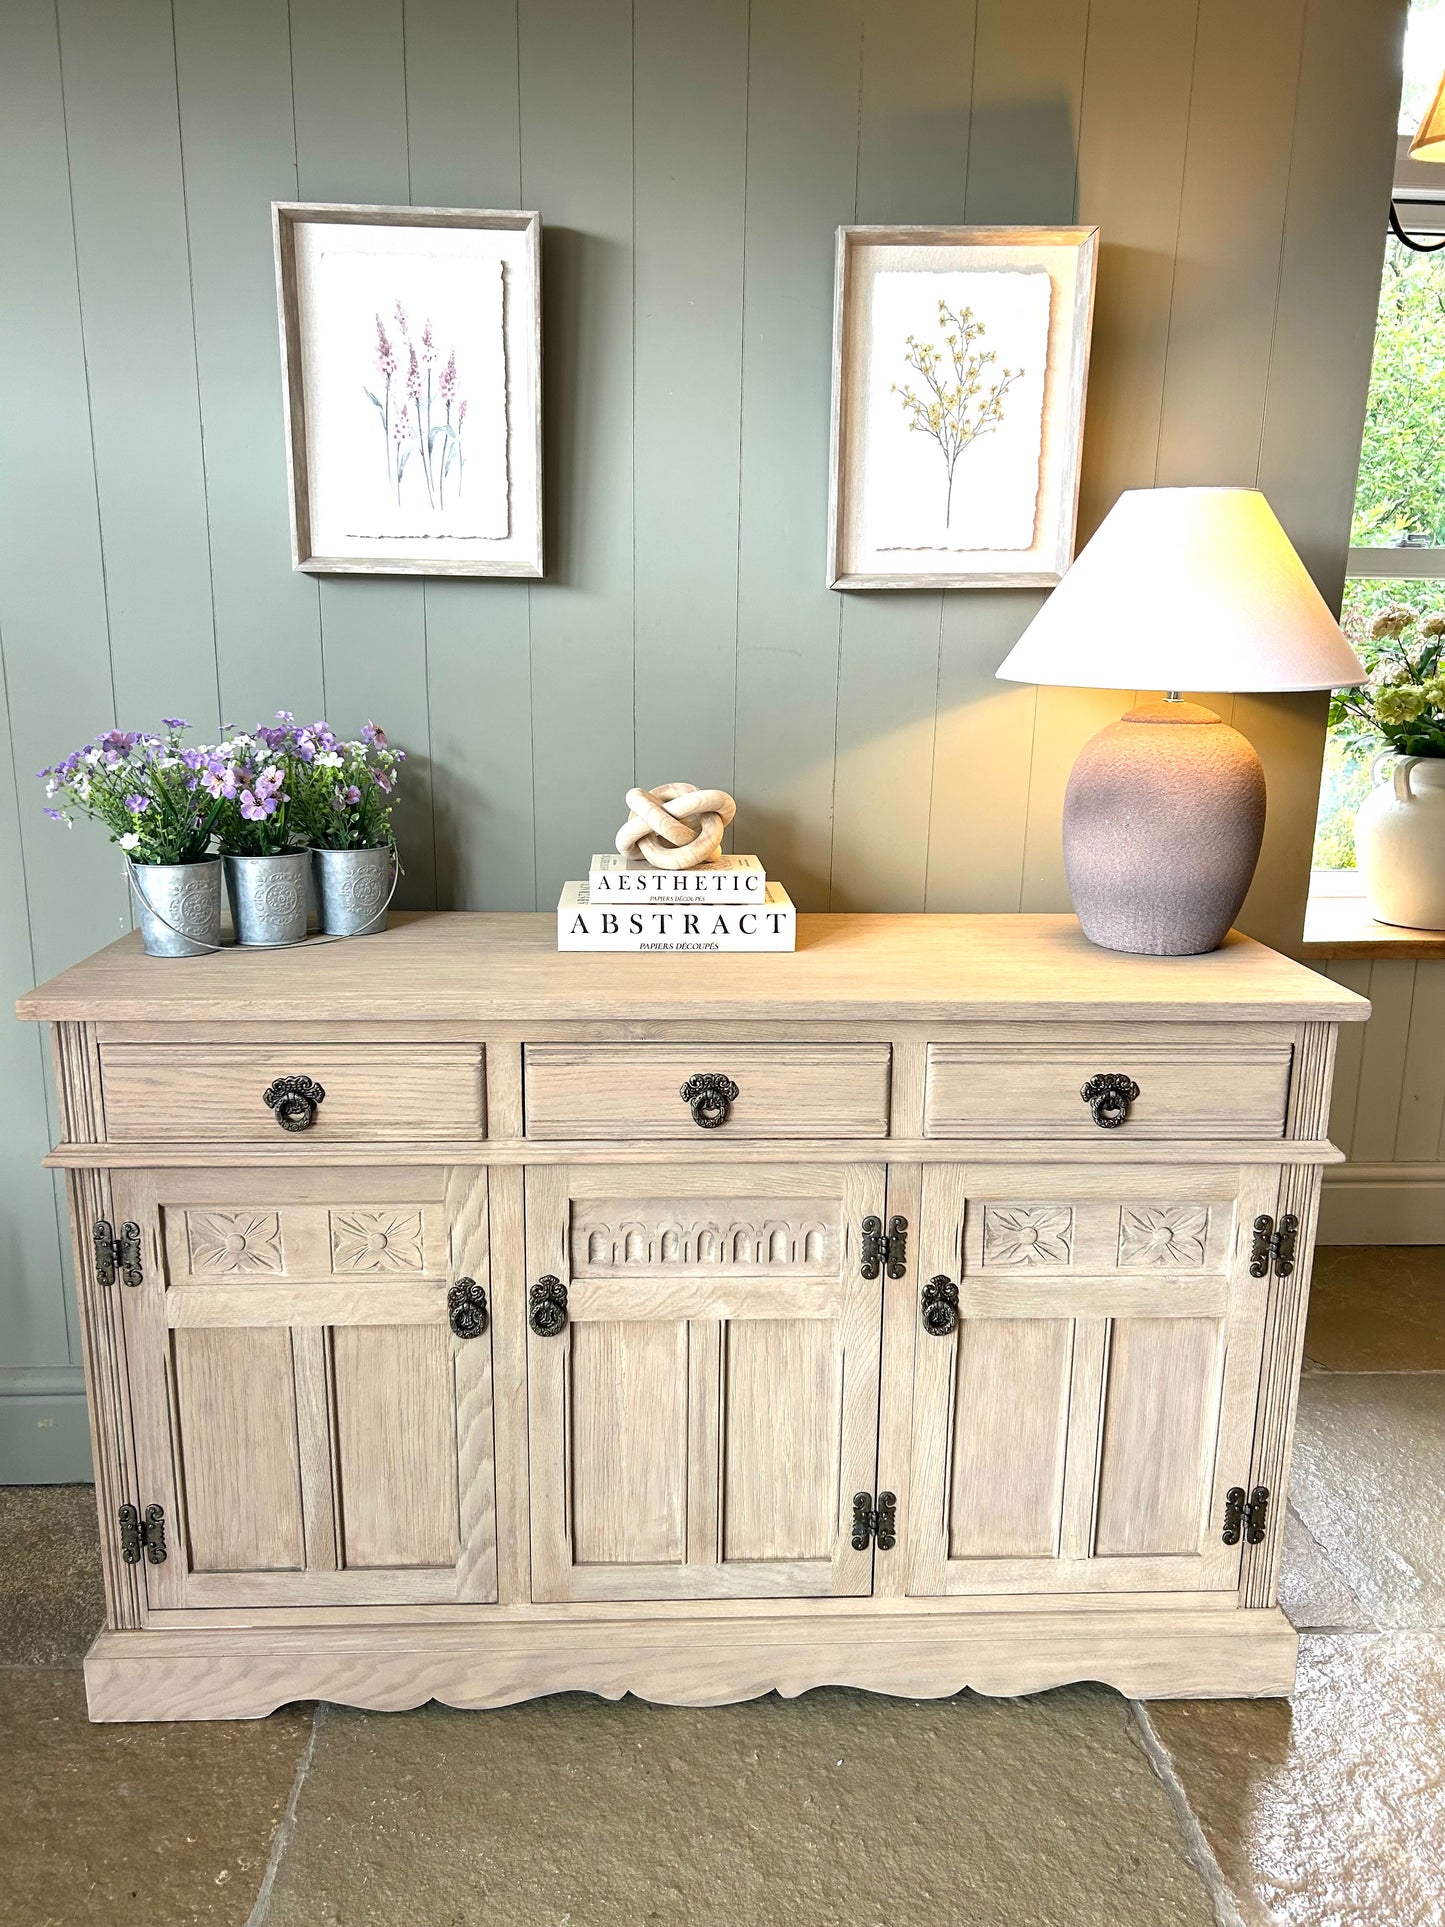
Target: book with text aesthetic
738, 924
614, 878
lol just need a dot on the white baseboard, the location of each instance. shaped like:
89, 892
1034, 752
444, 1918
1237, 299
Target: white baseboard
1383, 1204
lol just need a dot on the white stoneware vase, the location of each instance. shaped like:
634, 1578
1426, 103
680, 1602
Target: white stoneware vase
1400, 844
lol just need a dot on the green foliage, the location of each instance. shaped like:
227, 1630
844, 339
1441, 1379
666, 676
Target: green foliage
1401, 488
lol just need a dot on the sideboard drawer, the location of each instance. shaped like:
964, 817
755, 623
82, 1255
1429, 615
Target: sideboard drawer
636, 1090
1022, 1090
390, 1093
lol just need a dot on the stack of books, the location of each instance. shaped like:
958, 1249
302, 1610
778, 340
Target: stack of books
625, 904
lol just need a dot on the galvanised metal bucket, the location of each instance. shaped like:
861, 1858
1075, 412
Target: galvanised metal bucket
178, 906
353, 889
268, 897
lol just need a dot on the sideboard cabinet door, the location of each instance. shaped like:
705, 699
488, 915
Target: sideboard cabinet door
706, 1407
303, 1412
1079, 1426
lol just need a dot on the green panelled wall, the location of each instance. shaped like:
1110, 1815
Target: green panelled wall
691, 159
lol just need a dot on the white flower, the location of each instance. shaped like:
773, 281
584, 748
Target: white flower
130, 841
328, 759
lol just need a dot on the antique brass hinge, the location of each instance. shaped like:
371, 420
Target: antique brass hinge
114, 1254
1250, 1515
139, 1535
878, 1523
880, 1250
1272, 1244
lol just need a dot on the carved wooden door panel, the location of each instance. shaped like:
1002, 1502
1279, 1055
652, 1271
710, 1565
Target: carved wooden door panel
705, 1405
1078, 1423
304, 1412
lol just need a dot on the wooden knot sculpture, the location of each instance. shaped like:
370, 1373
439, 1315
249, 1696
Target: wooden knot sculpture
674, 826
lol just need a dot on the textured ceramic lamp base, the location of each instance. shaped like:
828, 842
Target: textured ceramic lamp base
1163, 820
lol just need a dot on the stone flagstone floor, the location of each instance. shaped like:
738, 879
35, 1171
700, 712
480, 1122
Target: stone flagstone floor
1064, 1810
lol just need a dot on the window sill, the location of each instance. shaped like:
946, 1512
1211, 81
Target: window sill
1342, 927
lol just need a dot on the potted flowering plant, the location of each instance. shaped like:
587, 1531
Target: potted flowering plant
158, 802
344, 795
1400, 830
266, 859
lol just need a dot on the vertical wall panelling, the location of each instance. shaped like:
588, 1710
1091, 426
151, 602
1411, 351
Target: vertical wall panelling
348, 79
1027, 95
464, 144
123, 139
1334, 238
33, 1308
53, 619
1348, 1056
690, 76
233, 69
1382, 1067
1422, 1094
690, 163
802, 169
577, 108
912, 167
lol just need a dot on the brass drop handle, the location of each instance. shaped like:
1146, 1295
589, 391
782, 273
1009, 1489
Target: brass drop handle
710, 1093
1108, 1096
547, 1306
467, 1308
294, 1100
940, 1307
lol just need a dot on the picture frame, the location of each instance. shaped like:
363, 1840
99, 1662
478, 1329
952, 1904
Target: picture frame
960, 369
411, 357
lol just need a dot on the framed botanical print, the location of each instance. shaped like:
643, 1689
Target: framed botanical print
412, 365
960, 360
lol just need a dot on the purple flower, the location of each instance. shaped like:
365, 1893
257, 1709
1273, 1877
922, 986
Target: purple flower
175, 722
428, 348
136, 803
385, 353
400, 312
372, 734
447, 387
413, 377
256, 809
353, 796
55, 816
461, 414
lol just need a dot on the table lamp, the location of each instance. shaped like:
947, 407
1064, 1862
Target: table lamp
1180, 588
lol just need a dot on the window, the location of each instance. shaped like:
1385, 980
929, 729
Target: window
1397, 552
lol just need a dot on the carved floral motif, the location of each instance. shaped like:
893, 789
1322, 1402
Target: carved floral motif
1028, 1234
1161, 1235
376, 1241
225, 1241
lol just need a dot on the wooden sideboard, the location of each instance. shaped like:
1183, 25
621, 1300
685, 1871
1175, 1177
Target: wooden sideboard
481, 1362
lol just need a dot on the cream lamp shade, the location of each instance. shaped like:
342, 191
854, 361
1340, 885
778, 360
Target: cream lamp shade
1186, 588
1429, 141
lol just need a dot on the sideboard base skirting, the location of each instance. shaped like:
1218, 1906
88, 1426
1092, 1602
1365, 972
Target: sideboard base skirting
245, 1674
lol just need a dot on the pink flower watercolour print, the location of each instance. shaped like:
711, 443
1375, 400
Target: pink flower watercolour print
420, 415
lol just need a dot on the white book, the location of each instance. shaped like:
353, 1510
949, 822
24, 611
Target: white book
613, 878
583, 924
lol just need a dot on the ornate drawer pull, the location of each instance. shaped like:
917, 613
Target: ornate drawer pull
467, 1308
940, 1307
709, 1093
1108, 1096
547, 1306
294, 1100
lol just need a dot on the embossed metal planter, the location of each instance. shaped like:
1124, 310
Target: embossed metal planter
178, 907
353, 889
268, 897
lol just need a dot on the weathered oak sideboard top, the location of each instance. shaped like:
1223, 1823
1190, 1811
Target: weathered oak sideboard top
478, 967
